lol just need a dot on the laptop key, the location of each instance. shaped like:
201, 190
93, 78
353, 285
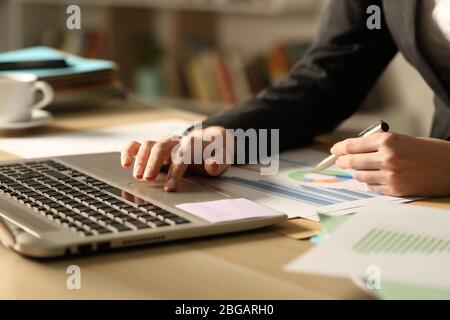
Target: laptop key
114, 201
79, 206
138, 224
119, 227
55, 174
101, 230
28, 176
147, 218
113, 215
149, 207
158, 223
178, 220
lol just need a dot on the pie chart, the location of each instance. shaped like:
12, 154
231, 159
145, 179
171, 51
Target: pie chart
326, 176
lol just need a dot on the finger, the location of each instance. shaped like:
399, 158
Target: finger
357, 145
362, 161
142, 159
176, 172
168, 160
214, 168
128, 153
378, 188
369, 176
157, 156
179, 165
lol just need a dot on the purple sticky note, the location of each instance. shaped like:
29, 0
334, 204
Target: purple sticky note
228, 210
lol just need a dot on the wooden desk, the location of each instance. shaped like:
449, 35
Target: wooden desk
239, 266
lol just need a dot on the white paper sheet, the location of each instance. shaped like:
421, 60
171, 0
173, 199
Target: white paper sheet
95, 141
296, 190
396, 242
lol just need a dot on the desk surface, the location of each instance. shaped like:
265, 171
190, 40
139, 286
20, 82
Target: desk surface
239, 266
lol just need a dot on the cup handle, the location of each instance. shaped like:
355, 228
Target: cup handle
47, 92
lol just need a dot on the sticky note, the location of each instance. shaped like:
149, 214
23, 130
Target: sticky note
228, 210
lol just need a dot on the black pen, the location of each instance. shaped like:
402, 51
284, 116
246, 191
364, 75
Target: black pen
380, 126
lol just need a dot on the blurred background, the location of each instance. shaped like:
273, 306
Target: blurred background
200, 55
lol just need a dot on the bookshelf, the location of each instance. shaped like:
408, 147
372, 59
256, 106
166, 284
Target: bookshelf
247, 7
252, 27
220, 26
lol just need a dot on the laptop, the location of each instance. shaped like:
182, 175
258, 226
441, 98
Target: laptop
62, 206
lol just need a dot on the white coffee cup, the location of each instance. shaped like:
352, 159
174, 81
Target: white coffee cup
18, 94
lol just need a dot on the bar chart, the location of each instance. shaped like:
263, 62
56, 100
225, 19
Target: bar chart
379, 240
311, 195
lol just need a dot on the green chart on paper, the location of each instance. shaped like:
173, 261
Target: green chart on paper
384, 241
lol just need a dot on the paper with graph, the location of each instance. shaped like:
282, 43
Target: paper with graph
406, 243
296, 190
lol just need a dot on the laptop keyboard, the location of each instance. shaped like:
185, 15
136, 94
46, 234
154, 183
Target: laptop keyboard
79, 202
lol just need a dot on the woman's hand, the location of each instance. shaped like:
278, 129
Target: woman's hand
398, 165
150, 156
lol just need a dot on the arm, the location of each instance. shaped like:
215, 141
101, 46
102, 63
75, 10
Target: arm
323, 89
327, 86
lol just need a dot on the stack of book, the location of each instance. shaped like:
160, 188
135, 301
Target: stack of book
212, 76
79, 81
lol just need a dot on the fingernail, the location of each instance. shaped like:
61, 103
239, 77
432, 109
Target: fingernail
125, 160
211, 161
138, 170
149, 173
171, 184
214, 165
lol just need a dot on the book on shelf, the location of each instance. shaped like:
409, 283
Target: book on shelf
227, 77
258, 74
278, 63
240, 6
196, 80
89, 43
222, 76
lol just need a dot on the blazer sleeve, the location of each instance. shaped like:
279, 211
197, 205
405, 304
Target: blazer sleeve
327, 85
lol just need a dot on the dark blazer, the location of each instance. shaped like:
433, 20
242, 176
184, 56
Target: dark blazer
331, 81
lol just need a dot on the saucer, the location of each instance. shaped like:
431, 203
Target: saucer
38, 118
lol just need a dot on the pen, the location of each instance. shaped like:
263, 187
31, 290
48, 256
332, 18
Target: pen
380, 126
